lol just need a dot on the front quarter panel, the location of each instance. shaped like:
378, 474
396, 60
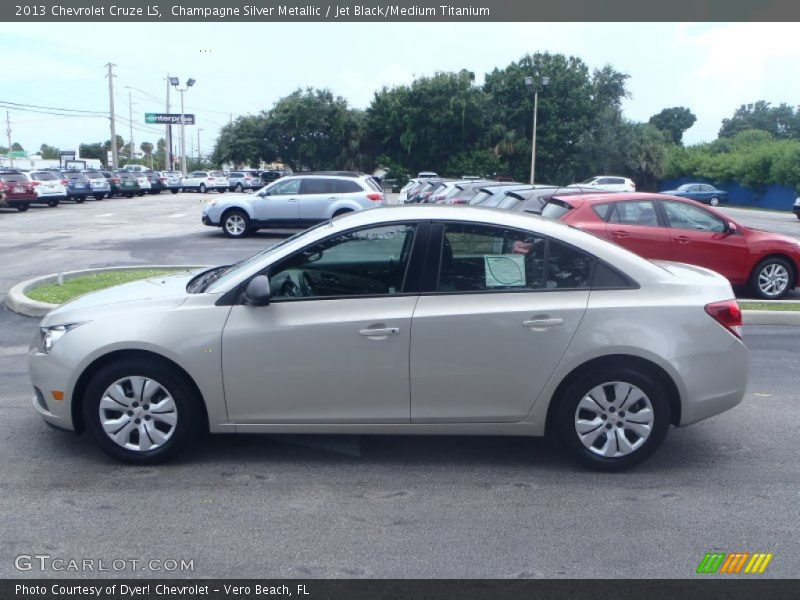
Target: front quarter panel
189, 336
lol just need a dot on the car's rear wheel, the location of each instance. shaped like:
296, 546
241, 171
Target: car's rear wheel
23, 207
714, 201
613, 419
342, 211
80, 199
140, 411
52, 203
772, 278
236, 223
239, 188
202, 188
174, 191
99, 196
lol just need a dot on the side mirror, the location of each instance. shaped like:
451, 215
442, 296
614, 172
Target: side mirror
732, 229
257, 292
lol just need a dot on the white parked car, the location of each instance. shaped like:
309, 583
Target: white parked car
204, 181
401, 320
610, 183
49, 189
294, 201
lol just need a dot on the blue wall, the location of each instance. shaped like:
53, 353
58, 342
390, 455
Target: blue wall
776, 197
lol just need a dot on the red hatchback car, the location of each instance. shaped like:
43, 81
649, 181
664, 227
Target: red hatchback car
658, 226
18, 191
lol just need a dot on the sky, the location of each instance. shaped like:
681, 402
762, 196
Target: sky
242, 68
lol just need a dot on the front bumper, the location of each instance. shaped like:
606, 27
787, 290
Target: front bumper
48, 374
207, 221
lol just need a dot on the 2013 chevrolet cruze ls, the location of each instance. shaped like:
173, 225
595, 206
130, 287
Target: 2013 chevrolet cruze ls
404, 320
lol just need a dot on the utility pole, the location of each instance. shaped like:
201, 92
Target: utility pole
168, 150
198, 144
8, 133
114, 161
130, 118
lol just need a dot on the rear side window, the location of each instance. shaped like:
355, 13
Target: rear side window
641, 212
602, 210
480, 258
555, 209
348, 187
316, 185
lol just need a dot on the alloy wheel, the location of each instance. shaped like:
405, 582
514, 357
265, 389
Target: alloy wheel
773, 280
138, 413
614, 419
235, 224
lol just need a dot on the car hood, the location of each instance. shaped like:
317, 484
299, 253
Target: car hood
157, 293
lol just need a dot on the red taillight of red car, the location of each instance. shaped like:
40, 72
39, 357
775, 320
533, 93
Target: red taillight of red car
728, 314
65, 182
375, 197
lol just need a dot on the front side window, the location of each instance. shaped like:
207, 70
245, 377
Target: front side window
480, 258
641, 213
365, 262
290, 186
685, 216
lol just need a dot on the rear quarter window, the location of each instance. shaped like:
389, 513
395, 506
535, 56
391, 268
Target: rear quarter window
555, 209
602, 210
349, 187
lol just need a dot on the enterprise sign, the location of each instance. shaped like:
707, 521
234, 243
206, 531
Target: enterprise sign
168, 119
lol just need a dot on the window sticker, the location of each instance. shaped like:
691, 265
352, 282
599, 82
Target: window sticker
504, 270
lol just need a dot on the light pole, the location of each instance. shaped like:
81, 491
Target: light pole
189, 83
198, 145
538, 84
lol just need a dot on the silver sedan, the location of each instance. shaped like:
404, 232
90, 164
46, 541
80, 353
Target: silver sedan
404, 320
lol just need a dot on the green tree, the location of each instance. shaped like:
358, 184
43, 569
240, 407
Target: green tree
96, 150
780, 121
675, 121
15, 147
49, 152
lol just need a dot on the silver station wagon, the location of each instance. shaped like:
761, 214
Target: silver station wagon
402, 320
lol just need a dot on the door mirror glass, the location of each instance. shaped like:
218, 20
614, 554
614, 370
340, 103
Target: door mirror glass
732, 228
257, 292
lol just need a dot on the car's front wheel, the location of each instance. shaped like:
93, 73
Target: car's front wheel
23, 207
202, 188
174, 191
236, 223
141, 411
772, 278
80, 199
613, 419
53, 203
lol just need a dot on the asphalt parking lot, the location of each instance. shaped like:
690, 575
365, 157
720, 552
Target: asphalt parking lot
407, 506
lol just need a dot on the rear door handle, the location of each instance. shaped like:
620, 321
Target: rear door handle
543, 323
620, 234
379, 333
682, 239
292, 200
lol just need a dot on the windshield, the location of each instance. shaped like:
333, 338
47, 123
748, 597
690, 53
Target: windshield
232, 271
43, 176
590, 180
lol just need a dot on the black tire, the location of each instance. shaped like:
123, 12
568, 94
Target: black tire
80, 200
140, 194
53, 203
229, 221
221, 191
182, 392
715, 201
342, 211
129, 195
202, 188
239, 188
566, 415
99, 196
777, 262
174, 191
23, 207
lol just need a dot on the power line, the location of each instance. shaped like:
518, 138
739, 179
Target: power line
75, 110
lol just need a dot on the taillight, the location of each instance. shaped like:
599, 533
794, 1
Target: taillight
65, 182
375, 197
211, 179
728, 314
35, 183
115, 180
459, 201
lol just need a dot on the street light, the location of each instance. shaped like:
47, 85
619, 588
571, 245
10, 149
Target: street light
538, 84
189, 83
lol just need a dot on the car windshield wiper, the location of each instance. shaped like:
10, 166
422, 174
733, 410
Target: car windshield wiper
203, 280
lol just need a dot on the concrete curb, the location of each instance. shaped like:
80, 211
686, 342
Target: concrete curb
18, 302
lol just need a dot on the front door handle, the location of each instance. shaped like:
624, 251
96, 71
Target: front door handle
682, 239
620, 234
332, 198
543, 323
382, 333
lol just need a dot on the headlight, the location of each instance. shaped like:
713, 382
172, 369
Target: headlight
50, 335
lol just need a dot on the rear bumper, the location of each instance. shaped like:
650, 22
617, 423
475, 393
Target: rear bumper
713, 383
